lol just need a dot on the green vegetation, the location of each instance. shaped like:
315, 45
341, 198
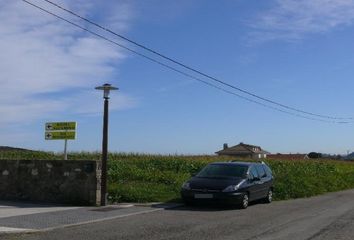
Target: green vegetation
155, 178
150, 178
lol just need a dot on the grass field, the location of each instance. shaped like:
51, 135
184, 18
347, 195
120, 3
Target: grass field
156, 178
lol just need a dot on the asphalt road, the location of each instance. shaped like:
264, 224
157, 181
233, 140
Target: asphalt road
330, 216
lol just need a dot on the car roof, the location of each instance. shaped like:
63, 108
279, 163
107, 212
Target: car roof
235, 163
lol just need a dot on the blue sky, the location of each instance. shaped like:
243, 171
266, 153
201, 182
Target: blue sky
299, 53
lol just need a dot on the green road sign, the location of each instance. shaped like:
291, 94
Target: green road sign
67, 135
59, 126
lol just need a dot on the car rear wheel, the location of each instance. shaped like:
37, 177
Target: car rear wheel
269, 197
245, 201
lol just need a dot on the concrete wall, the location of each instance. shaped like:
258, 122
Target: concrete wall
67, 182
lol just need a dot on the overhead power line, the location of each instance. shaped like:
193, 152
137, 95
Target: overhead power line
193, 69
181, 72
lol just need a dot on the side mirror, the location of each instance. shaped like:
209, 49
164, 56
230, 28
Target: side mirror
256, 179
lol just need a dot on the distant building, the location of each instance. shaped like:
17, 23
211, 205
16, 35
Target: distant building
243, 151
280, 156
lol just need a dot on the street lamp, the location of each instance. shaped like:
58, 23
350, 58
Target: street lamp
106, 89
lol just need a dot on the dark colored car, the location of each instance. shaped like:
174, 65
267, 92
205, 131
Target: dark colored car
230, 182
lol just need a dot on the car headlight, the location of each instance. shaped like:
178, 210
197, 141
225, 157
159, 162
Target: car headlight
186, 186
233, 188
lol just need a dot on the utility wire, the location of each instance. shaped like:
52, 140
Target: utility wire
179, 71
193, 69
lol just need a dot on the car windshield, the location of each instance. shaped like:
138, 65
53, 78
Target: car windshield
223, 171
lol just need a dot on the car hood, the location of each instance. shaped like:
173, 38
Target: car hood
212, 183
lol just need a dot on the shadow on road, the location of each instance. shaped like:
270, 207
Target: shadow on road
202, 207
30, 204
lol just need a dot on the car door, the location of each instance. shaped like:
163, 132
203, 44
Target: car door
269, 178
264, 181
254, 184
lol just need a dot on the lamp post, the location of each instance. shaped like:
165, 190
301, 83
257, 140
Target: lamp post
106, 89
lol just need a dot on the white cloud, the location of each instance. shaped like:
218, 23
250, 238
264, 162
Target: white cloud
43, 57
291, 20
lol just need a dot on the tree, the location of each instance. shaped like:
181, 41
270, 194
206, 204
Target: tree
314, 155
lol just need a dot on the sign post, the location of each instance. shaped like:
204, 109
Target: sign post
61, 131
65, 149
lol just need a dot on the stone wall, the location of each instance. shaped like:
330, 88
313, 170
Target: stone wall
66, 182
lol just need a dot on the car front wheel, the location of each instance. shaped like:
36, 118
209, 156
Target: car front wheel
188, 202
245, 201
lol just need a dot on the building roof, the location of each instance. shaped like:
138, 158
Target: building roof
242, 149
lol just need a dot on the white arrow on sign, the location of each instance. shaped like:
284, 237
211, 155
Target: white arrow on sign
48, 136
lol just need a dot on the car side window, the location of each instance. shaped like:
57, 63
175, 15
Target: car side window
253, 173
267, 170
261, 171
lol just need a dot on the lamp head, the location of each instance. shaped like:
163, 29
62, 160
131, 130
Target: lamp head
106, 89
